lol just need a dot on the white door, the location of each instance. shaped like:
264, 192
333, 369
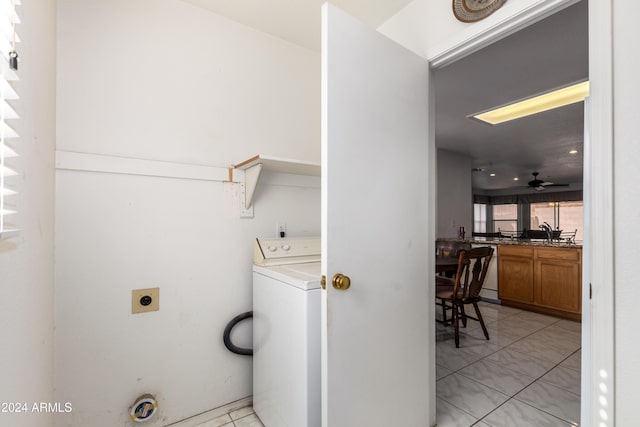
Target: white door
377, 355
585, 395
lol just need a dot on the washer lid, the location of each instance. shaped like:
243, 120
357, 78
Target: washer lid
303, 276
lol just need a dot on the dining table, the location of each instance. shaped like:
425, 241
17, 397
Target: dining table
445, 264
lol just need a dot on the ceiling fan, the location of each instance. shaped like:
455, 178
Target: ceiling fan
540, 185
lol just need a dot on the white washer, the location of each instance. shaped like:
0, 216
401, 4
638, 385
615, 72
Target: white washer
286, 332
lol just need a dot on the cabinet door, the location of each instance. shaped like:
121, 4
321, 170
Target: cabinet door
515, 278
558, 284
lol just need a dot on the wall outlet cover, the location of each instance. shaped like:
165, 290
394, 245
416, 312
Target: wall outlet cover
144, 300
281, 229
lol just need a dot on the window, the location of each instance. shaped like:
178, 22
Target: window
565, 216
479, 218
505, 218
8, 66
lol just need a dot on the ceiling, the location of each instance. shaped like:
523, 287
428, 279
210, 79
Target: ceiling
549, 54
298, 21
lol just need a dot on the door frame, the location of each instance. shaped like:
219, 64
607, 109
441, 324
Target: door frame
598, 329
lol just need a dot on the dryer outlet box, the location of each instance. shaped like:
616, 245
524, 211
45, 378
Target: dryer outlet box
144, 300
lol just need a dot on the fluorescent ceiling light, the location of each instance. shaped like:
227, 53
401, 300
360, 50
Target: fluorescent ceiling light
537, 104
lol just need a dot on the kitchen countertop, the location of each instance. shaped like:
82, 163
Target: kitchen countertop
507, 241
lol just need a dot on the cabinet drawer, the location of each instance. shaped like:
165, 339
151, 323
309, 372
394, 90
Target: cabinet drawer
558, 254
513, 250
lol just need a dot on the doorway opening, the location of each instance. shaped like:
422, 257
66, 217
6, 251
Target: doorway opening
530, 354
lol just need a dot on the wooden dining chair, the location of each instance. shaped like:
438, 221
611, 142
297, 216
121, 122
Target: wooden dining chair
449, 248
464, 288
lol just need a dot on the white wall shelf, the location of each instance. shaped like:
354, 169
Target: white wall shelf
253, 167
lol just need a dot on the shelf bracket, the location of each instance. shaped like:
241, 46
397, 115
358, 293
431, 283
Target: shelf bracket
251, 176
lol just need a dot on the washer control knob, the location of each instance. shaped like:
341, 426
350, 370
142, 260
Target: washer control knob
272, 248
285, 247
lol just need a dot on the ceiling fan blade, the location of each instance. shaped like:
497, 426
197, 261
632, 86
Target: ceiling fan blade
539, 185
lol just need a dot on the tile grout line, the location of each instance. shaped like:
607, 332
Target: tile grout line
503, 348
537, 379
478, 382
532, 333
460, 409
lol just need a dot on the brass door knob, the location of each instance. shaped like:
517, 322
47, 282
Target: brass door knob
341, 282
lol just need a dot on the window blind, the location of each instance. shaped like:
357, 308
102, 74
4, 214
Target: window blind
8, 152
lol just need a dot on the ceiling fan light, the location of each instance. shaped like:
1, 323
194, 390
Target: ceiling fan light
537, 104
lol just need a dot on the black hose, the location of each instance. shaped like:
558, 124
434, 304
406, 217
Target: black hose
227, 335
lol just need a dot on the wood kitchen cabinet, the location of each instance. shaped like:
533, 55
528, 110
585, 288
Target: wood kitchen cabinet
545, 279
515, 273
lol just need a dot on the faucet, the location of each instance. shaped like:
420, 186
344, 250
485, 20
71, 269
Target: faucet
547, 229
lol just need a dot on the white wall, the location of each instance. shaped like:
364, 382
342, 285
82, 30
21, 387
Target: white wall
164, 80
26, 262
455, 196
626, 210
170, 81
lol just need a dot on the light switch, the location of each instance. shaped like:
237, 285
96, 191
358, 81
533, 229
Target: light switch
144, 300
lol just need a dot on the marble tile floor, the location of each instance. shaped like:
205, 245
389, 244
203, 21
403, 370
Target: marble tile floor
244, 417
527, 374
